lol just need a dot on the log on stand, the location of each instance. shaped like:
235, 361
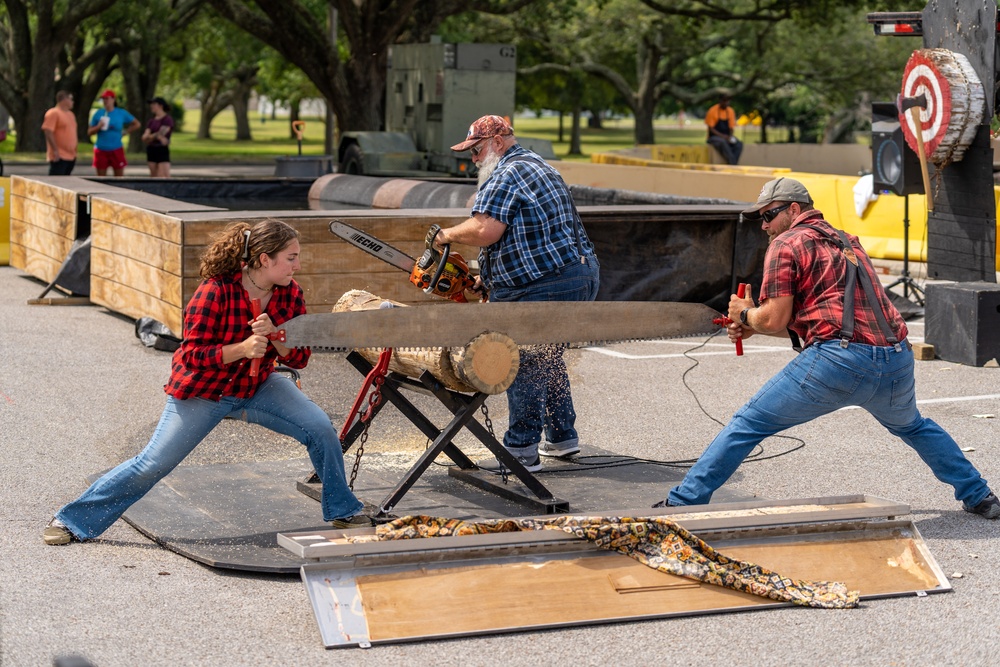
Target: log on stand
461, 378
488, 364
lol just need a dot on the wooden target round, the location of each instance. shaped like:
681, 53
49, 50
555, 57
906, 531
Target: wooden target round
955, 103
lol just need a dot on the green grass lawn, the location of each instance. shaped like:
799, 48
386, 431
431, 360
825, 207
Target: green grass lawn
272, 138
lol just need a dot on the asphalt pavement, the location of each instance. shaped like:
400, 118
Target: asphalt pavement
79, 393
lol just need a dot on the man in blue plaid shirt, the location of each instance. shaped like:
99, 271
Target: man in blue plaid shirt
533, 248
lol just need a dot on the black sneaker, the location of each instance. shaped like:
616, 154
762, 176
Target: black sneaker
356, 521
663, 503
989, 507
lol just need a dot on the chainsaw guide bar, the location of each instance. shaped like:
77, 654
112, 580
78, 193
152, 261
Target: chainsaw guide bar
577, 323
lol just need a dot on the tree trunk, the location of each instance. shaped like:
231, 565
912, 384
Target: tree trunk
644, 125
294, 109
574, 139
560, 139
211, 105
595, 122
41, 96
241, 107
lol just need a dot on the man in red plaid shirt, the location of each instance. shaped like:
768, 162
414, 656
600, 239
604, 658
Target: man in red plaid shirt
224, 368
819, 285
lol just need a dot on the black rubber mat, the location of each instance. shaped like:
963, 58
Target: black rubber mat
228, 515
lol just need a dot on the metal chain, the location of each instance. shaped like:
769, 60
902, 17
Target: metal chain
358, 454
373, 400
489, 427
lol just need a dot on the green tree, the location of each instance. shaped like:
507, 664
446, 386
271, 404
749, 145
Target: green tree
284, 83
34, 39
300, 30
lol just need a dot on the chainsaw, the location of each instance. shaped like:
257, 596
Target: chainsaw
439, 272
577, 323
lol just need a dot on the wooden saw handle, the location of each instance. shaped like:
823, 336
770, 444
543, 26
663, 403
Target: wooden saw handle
918, 133
255, 363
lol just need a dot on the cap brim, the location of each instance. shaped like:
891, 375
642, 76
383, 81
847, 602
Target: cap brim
466, 145
755, 208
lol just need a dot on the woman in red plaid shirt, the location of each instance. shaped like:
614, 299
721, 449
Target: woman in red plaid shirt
210, 379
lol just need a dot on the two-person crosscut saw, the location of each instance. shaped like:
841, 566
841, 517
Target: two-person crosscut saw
526, 323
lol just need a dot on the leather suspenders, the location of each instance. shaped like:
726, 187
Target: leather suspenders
854, 272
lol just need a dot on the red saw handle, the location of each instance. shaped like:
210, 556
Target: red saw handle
255, 363
741, 292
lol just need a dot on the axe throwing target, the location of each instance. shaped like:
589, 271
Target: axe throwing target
955, 103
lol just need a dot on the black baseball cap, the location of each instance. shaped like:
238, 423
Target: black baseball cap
162, 102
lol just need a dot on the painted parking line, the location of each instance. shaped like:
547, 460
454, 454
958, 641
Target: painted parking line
947, 399
724, 348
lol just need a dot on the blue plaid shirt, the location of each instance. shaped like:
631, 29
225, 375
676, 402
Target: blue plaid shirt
531, 198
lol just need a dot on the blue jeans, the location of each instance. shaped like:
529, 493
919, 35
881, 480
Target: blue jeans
278, 405
730, 151
540, 398
824, 378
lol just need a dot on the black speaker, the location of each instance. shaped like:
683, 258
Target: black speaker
895, 167
963, 321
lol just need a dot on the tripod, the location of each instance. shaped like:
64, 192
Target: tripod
904, 279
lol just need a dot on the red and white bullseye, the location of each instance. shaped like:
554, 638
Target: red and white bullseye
955, 103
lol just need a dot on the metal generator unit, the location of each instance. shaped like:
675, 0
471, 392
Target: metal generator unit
433, 93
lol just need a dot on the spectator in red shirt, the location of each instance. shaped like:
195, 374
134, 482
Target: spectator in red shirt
210, 380
820, 285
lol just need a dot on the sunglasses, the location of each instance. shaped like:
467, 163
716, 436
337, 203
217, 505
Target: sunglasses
771, 214
479, 148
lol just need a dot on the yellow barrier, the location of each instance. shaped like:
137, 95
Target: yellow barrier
880, 228
4, 221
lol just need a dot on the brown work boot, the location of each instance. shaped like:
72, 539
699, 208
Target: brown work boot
57, 533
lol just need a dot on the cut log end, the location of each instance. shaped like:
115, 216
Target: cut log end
489, 362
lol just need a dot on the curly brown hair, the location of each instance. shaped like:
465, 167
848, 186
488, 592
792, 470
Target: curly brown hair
241, 243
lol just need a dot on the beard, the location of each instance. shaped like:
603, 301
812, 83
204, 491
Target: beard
488, 164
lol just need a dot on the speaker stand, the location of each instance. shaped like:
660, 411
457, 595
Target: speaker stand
908, 283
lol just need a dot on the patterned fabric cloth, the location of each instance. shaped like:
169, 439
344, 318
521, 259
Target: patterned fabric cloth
657, 542
219, 314
803, 264
530, 197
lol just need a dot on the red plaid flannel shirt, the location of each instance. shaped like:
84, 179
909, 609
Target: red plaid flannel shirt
803, 264
219, 314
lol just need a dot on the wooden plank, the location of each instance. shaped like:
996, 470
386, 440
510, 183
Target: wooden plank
44, 216
34, 263
391, 226
133, 303
41, 241
923, 351
160, 225
140, 277
144, 248
151, 202
57, 196
60, 301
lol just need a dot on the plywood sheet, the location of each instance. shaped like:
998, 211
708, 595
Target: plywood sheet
530, 590
44, 216
143, 248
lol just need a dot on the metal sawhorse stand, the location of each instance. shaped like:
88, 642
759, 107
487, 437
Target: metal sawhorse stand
463, 407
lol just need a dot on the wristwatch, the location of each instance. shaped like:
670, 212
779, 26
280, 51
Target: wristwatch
743, 317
